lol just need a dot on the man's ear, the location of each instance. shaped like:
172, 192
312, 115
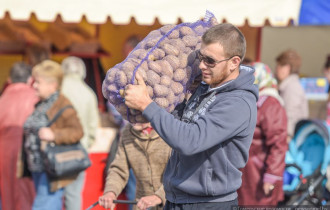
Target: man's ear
9, 81
235, 62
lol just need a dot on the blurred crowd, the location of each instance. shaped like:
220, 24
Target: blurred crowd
38, 89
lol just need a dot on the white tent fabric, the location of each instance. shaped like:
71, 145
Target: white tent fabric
278, 12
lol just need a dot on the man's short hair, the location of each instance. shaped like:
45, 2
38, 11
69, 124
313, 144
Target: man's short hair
20, 72
229, 37
290, 57
50, 70
74, 65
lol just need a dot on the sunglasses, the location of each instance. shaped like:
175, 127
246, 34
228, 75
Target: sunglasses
208, 61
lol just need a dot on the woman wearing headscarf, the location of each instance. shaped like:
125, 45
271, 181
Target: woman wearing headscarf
66, 129
262, 177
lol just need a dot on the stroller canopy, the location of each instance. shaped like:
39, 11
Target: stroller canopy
308, 152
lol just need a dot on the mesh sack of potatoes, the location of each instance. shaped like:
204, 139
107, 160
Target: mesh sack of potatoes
166, 59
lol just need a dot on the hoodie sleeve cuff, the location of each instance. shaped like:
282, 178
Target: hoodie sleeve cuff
150, 111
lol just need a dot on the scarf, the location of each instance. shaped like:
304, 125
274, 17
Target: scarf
266, 82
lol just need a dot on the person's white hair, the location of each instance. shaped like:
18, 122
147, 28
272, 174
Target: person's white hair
74, 65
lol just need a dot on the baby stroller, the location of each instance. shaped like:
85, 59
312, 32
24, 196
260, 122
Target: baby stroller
306, 164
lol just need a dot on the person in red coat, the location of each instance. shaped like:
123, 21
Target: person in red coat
262, 177
16, 104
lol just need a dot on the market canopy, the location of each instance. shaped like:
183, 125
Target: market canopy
277, 12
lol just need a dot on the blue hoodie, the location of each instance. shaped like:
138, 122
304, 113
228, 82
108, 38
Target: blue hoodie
210, 141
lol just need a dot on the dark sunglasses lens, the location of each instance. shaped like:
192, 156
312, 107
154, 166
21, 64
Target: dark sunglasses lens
207, 60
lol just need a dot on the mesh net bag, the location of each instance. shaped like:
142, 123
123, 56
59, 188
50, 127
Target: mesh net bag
166, 59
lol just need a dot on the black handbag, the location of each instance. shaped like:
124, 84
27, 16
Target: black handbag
63, 160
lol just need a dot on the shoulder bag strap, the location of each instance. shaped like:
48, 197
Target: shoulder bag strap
58, 114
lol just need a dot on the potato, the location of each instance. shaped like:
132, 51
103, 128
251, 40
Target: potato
144, 65
121, 78
163, 42
155, 66
129, 76
170, 108
160, 90
190, 41
167, 69
166, 29
179, 75
199, 29
142, 72
165, 80
173, 61
187, 50
115, 99
183, 60
112, 88
122, 92
152, 78
152, 42
174, 34
185, 30
134, 61
170, 97
185, 81
162, 102
112, 74
178, 43
138, 53
170, 49
128, 66
155, 33
176, 87
156, 54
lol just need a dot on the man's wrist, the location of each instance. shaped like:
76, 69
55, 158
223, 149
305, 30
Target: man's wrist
144, 106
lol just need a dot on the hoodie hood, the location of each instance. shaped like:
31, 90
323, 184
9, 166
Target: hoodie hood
242, 82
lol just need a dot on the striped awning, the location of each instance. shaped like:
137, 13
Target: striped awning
278, 12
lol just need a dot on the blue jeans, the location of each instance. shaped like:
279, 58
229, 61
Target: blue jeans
44, 198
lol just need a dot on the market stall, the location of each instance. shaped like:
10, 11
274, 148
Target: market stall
96, 30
